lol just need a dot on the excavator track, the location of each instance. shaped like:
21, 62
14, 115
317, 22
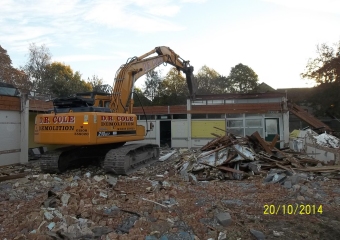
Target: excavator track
121, 160
49, 162
129, 158
58, 160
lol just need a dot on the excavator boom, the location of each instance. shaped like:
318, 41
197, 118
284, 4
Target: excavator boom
136, 67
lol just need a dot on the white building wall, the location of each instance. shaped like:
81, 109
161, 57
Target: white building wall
153, 135
14, 134
179, 133
10, 137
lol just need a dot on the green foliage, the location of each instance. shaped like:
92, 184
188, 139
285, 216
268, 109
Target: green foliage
174, 83
207, 81
325, 99
152, 84
98, 86
35, 68
325, 71
325, 68
173, 89
140, 99
62, 82
11, 75
242, 79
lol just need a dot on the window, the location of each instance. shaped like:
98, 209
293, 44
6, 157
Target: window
179, 116
253, 123
236, 131
250, 131
163, 117
216, 115
253, 115
234, 115
148, 117
198, 116
234, 123
199, 102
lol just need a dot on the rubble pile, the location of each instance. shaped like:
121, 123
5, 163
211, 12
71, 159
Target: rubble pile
172, 199
229, 157
326, 140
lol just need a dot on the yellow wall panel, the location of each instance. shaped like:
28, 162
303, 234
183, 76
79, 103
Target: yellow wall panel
204, 128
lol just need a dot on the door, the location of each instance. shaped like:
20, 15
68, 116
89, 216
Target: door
271, 129
179, 133
165, 133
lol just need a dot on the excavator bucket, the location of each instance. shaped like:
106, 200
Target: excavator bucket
191, 81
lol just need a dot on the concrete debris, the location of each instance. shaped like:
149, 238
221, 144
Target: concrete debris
222, 236
64, 199
327, 140
223, 218
98, 178
257, 234
167, 156
323, 148
185, 197
111, 180
228, 157
51, 226
278, 234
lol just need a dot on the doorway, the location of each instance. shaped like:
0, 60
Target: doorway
271, 129
165, 133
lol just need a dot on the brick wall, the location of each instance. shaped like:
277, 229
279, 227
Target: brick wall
10, 103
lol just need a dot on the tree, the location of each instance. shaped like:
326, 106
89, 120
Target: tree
325, 71
325, 68
210, 81
206, 83
242, 79
62, 82
35, 68
173, 89
98, 85
140, 99
11, 75
152, 84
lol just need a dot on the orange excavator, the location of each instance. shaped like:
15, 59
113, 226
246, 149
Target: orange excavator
97, 125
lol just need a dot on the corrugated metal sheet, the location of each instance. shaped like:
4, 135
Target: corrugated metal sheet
203, 129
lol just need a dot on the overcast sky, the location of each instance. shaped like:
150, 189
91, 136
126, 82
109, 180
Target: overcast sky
273, 37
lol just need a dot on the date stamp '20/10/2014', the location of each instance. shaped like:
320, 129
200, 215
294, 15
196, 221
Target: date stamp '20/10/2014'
292, 209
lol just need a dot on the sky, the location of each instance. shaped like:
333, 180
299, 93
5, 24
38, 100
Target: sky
95, 37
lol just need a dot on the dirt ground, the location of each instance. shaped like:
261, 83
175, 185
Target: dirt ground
157, 203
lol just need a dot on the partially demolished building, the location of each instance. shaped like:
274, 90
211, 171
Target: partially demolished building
195, 124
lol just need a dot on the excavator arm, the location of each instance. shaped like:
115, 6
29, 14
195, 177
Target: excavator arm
136, 67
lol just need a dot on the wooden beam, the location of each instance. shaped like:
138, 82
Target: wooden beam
274, 141
228, 169
9, 177
262, 142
